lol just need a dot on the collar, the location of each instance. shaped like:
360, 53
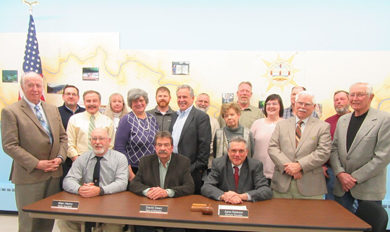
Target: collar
303, 120
32, 105
167, 163
179, 112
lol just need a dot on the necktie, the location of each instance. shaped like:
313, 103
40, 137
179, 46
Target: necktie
236, 176
96, 171
91, 127
44, 124
298, 132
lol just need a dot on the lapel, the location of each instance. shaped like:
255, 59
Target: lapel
155, 171
189, 119
291, 131
230, 174
27, 110
171, 166
244, 172
342, 127
306, 132
367, 125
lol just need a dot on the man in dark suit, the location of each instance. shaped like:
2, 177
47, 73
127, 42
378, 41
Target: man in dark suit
236, 178
162, 175
191, 132
34, 137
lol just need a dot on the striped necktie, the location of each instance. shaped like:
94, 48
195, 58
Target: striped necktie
90, 129
298, 132
44, 124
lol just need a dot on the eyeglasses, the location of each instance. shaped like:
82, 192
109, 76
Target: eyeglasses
358, 95
304, 104
98, 138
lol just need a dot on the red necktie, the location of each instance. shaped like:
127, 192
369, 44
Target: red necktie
236, 176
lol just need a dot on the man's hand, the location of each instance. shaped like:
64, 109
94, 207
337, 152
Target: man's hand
292, 168
131, 174
89, 190
74, 158
156, 193
49, 165
231, 197
346, 180
297, 176
324, 169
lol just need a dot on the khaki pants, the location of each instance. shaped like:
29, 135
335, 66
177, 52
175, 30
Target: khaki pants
26, 194
293, 193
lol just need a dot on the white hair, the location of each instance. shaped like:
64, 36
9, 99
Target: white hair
306, 93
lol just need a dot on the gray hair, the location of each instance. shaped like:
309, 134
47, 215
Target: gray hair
27, 74
134, 94
186, 87
369, 89
237, 139
306, 93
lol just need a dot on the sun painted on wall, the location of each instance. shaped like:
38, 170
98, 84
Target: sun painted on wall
280, 72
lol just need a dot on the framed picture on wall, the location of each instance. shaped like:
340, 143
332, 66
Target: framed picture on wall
90, 74
180, 68
227, 97
10, 76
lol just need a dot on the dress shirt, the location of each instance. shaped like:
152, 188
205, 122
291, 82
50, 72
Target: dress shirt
163, 172
66, 113
178, 127
77, 131
114, 172
32, 106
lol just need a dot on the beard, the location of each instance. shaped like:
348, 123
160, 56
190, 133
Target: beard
343, 110
203, 109
162, 103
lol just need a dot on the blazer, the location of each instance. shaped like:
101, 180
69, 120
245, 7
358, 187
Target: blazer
251, 179
367, 157
195, 138
178, 177
312, 152
25, 140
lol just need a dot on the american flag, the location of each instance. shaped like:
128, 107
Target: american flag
32, 60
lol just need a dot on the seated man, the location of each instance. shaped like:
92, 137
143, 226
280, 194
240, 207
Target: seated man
97, 172
162, 175
236, 178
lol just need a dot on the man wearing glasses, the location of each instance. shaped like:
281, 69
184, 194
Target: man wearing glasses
299, 146
361, 150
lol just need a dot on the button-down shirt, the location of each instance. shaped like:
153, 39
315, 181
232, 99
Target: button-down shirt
77, 131
113, 177
178, 127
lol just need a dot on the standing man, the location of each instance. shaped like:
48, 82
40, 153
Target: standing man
70, 95
81, 125
299, 146
341, 105
249, 113
203, 103
236, 178
97, 172
163, 112
290, 111
191, 132
361, 150
34, 137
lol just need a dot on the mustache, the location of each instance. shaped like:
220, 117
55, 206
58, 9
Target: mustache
162, 152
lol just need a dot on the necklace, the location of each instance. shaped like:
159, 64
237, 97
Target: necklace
140, 123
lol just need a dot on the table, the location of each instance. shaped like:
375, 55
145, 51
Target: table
271, 215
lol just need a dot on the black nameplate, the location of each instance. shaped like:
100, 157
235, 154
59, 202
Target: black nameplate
163, 209
233, 213
59, 204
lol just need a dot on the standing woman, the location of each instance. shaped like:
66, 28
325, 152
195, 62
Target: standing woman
117, 108
136, 130
262, 130
231, 112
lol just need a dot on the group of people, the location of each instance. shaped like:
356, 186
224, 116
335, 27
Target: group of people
247, 154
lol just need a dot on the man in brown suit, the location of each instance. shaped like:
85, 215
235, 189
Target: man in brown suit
33, 135
299, 146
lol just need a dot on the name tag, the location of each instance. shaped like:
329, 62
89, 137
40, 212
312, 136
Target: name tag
233, 211
162, 209
59, 204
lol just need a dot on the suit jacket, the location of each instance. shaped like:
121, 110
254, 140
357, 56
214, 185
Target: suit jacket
25, 140
367, 157
178, 177
312, 152
251, 179
195, 138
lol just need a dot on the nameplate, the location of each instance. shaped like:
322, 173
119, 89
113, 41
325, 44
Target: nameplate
59, 204
233, 211
162, 209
